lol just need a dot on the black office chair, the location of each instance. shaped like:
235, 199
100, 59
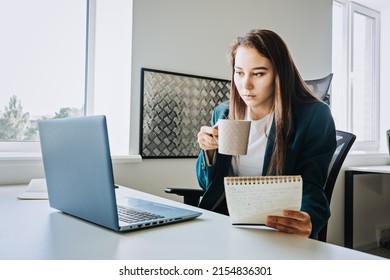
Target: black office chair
321, 86
345, 141
344, 144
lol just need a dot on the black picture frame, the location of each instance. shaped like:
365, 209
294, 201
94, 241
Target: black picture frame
173, 108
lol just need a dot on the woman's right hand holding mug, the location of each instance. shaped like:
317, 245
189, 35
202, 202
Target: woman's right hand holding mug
207, 140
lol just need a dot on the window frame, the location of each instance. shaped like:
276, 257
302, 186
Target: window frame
346, 114
367, 12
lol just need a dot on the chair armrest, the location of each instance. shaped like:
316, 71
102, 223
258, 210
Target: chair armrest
190, 196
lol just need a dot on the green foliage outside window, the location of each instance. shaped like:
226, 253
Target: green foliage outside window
16, 125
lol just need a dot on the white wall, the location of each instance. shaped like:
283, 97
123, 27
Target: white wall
193, 36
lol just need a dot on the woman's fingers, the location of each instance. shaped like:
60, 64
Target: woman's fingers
207, 138
295, 222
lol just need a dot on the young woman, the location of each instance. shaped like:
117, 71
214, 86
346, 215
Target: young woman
292, 132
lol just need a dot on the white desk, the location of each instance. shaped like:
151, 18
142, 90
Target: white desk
32, 230
349, 196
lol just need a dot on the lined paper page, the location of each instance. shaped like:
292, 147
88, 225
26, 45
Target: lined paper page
251, 199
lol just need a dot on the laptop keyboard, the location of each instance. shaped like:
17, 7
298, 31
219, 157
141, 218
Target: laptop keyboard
130, 215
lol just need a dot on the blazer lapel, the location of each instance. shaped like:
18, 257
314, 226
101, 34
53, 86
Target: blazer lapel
269, 149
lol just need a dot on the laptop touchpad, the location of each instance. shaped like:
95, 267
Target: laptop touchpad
144, 205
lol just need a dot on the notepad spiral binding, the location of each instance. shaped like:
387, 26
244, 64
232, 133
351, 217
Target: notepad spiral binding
256, 180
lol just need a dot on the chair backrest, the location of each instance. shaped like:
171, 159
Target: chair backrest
344, 144
320, 87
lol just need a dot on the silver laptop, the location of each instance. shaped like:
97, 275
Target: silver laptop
79, 177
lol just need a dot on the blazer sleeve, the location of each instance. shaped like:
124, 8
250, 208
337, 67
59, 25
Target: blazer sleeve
315, 154
205, 173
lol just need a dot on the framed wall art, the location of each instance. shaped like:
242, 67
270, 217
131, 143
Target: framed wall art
173, 108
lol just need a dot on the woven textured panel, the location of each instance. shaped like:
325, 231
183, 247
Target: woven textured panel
174, 108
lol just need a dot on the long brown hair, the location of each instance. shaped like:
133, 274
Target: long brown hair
289, 88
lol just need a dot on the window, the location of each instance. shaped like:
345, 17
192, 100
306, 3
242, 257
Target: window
355, 90
43, 64
63, 59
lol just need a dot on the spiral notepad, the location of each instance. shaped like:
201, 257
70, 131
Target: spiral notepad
251, 199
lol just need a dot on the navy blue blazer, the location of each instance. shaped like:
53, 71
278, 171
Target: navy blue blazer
311, 145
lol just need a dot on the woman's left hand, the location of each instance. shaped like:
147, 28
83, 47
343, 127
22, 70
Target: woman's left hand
295, 222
